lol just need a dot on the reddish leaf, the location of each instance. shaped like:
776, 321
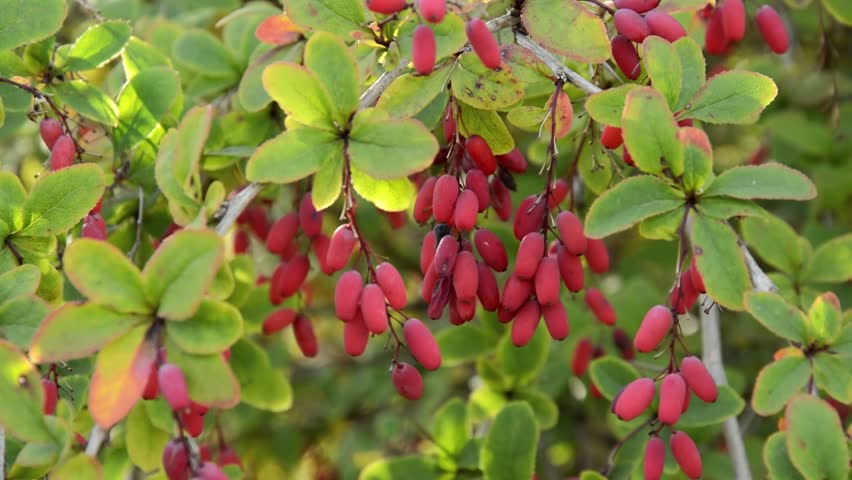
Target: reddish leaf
278, 30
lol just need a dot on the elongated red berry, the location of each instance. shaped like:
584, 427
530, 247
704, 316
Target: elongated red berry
515, 293
62, 154
597, 255
529, 217
501, 199
430, 282
626, 57
525, 322
347, 295
176, 460
407, 381
529, 255
477, 182
634, 399
465, 277
653, 329
556, 320
655, 458
340, 248
481, 154
639, 6
444, 198
282, 232
173, 386
600, 307
423, 49
319, 245
193, 423
152, 388
715, 40
627, 158
484, 43
631, 25
772, 28
449, 125
664, 25
421, 343
570, 269
672, 395
734, 19
355, 336
611, 137
241, 242
467, 206
228, 456
94, 227
445, 256
698, 379
309, 218
558, 192
386, 7
51, 396
622, 342
513, 161
293, 276
427, 251
423, 202
432, 11
582, 356
306, 339
255, 217
697, 281
390, 281
373, 308
211, 471
487, 290
686, 455
547, 281
278, 320
50, 130
491, 249
571, 232
683, 296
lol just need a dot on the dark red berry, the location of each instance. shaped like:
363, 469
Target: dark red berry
340, 248
530, 217
306, 339
515, 293
513, 161
582, 356
464, 215
386, 7
600, 307
484, 43
278, 320
664, 25
491, 249
631, 25
547, 281
355, 336
424, 48
445, 256
407, 381
444, 198
423, 201
530, 252
734, 19
282, 232
465, 277
176, 460
556, 320
309, 219
772, 28
597, 256
481, 154
427, 251
487, 289
625, 56
525, 322
432, 11
51, 396
570, 269
639, 6
571, 232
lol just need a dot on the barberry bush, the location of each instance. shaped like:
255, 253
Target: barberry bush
390, 239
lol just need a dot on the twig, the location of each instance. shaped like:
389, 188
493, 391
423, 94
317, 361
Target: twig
139, 214
14, 250
236, 206
759, 279
96, 440
555, 65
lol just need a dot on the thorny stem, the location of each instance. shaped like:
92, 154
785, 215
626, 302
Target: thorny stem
349, 208
551, 151
555, 65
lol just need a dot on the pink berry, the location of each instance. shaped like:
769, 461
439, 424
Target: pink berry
698, 379
173, 386
424, 49
407, 381
373, 308
484, 43
654, 327
421, 343
347, 295
686, 455
672, 394
772, 28
634, 399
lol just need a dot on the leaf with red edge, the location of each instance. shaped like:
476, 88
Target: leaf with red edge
564, 114
278, 30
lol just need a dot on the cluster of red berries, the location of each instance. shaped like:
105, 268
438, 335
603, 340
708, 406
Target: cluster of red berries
178, 466
726, 25
634, 21
62, 147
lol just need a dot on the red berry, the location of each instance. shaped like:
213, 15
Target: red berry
293, 275
467, 206
599, 305
525, 322
309, 219
501, 199
686, 122
340, 248
278, 320
547, 281
319, 245
255, 217
530, 217
465, 277
390, 281
355, 336
51, 396
432, 11
715, 40
654, 327
94, 227
373, 308
638, 6
611, 137
631, 25
386, 7
570, 269
481, 154
487, 289
466, 309
423, 202
444, 199
686, 455
211, 471
152, 388
625, 56
683, 296
173, 386
627, 158
597, 255
484, 43
664, 25
515, 293
622, 342
695, 277
558, 192
734, 19
477, 182
529, 255
672, 395
430, 283
227, 456
427, 251
50, 130
193, 423
395, 219
241, 242
176, 460
449, 125
421, 343
698, 379
772, 28
513, 161
445, 256
556, 320
655, 458
306, 339
634, 399
347, 295
582, 357
424, 49
491, 249
571, 232
63, 152
407, 381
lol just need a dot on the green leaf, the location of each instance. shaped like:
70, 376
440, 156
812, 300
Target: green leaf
720, 261
12, 198
774, 241
327, 181
480, 87
79, 467
701, 414
21, 280
98, 45
777, 460
650, 132
183, 205
333, 64
770, 181
388, 195
213, 328
824, 320
121, 372
464, 343
204, 54
595, 168
724, 208
545, 409
510, 447
181, 271
192, 135
832, 374
20, 317
662, 63
488, 125
28, 22
840, 9
661, 227
208, 377
145, 442
692, 66
20, 388
142, 102
410, 94
253, 96
697, 159
778, 382
450, 428
831, 262
611, 374
293, 155
629, 202
606, 107
301, 94
815, 439
522, 364
89, 100
591, 475
410, 467
139, 55
336, 16
546, 21
731, 97
261, 385
59, 200
105, 275
374, 140
2, 113
778, 316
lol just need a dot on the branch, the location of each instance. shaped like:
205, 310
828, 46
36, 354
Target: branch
96, 440
759, 279
236, 206
555, 65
